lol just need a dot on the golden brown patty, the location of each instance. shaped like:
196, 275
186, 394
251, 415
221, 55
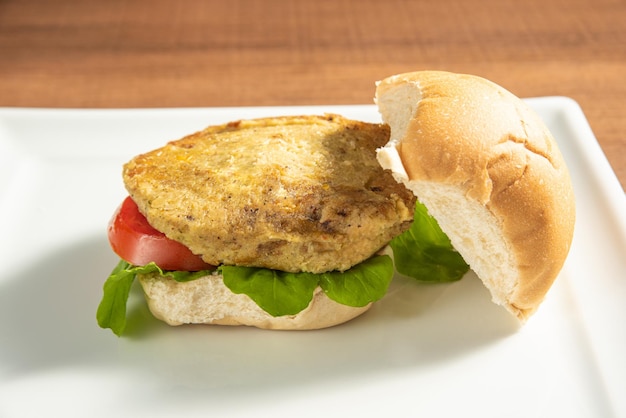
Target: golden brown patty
298, 193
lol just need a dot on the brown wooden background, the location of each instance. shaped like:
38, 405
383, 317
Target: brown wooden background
171, 53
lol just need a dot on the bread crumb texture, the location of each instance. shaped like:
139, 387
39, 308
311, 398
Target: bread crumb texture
296, 193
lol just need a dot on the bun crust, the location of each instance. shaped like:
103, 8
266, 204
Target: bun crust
208, 301
489, 171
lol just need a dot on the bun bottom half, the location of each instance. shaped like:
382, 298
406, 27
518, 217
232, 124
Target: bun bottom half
207, 300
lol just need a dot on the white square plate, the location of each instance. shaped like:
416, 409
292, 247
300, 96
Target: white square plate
424, 350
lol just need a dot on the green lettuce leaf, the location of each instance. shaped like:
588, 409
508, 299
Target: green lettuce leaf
280, 293
425, 253
111, 312
361, 285
276, 292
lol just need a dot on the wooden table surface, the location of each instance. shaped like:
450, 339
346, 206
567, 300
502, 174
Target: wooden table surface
168, 53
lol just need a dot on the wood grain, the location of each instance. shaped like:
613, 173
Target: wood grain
167, 53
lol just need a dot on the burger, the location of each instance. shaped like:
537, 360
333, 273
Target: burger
286, 222
274, 222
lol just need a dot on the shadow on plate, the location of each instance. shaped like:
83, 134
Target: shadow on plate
47, 320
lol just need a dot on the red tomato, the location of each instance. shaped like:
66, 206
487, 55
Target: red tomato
134, 240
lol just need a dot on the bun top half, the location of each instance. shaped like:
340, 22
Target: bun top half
489, 171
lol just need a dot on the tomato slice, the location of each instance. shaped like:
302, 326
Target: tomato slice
137, 242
